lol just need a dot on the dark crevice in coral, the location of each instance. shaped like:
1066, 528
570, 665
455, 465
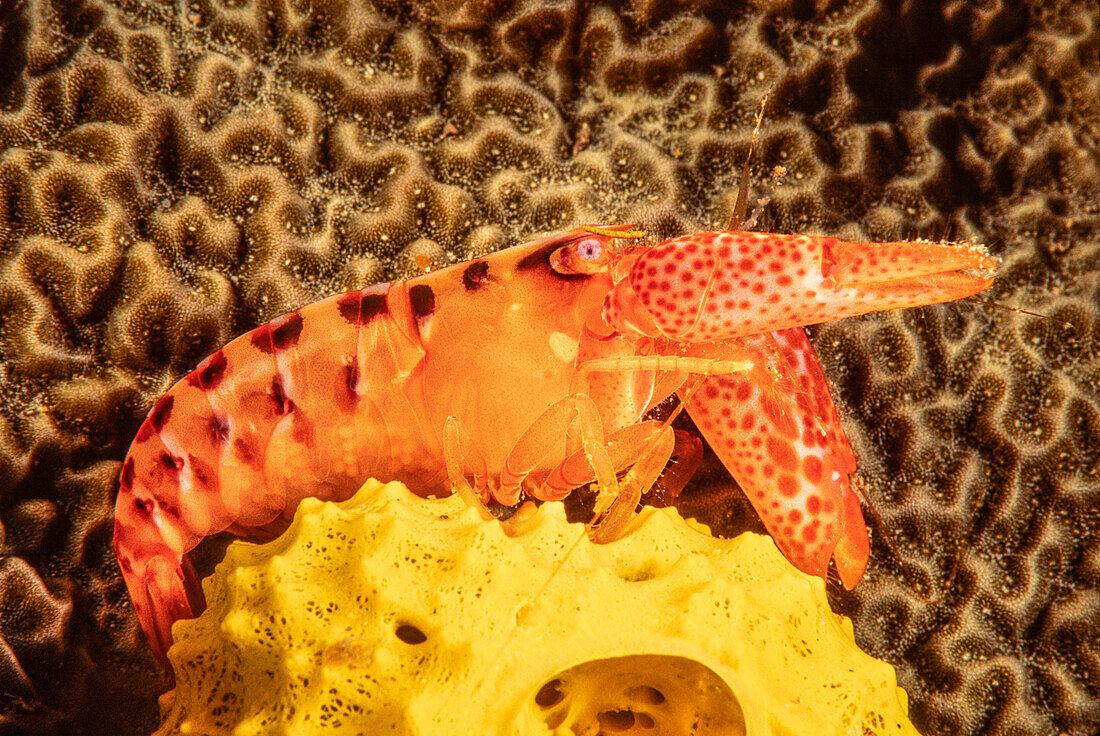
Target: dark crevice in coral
13, 51
896, 44
959, 187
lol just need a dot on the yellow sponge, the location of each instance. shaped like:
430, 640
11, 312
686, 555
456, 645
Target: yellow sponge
391, 614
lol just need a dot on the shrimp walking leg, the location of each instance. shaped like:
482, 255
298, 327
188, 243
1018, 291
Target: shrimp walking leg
460, 453
545, 436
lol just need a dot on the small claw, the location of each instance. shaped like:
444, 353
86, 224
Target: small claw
711, 286
651, 455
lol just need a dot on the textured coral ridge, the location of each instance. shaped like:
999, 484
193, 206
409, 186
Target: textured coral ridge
171, 174
390, 613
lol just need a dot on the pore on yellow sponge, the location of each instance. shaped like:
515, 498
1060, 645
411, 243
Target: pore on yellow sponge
391, 614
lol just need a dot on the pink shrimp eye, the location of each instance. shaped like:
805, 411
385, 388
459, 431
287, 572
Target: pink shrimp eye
583, 257
589, 249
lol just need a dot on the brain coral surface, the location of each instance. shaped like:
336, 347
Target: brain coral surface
174, 173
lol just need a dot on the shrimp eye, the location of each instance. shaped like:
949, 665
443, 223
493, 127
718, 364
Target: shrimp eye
582, 257
589, 249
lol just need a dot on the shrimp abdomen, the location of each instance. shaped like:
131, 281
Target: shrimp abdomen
309, 404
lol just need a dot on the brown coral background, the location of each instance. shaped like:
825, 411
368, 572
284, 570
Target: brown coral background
175, 173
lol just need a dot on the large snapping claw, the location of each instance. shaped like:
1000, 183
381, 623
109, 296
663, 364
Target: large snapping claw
774, 424
711, 286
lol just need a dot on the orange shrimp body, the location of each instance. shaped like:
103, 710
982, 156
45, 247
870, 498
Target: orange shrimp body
527, 374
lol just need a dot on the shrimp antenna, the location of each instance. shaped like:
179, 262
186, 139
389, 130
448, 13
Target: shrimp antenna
777, 173
1018, 310
737, 220
614, 233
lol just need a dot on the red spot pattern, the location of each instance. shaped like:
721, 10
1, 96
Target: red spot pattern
209, 373
811, 468
157, 418
126, 478
732, 284
686, 265
788, 486
739, 283
782, 453
777, 431
215, 450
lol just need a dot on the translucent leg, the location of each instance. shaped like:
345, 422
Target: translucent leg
534, 450
460, 453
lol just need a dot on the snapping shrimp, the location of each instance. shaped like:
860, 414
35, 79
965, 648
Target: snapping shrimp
525, 375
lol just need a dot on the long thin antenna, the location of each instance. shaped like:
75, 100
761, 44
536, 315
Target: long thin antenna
1019, 310
761, 202
737, 220
582, 535
613, 233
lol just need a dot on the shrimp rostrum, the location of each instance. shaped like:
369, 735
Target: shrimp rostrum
525, 375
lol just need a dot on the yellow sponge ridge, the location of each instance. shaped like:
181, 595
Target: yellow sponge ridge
393, 614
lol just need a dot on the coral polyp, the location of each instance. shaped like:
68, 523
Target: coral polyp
393, 614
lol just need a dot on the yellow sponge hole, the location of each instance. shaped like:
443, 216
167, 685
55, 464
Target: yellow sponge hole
393, 614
